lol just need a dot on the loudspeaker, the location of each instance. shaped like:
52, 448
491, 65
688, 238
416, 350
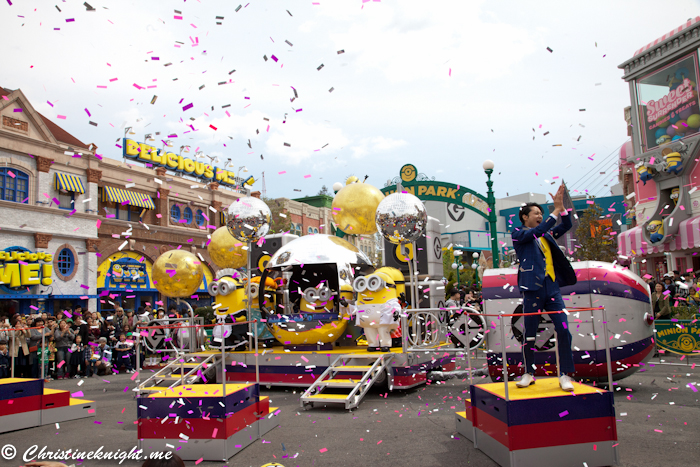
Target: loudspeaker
429, 256
260, 255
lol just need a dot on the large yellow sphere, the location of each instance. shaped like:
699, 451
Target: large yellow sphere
354, 208
226, 251
177, 273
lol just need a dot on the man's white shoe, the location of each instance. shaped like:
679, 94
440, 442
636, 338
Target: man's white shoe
566, 383
527, 380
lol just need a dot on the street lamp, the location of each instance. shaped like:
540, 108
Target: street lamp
475, 255
457, 266
488, 166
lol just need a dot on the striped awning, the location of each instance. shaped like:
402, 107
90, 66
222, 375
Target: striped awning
69, 183
632, 243
117, 195
668, 35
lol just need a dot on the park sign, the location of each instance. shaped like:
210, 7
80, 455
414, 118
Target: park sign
148, 154
430, 190
678, 336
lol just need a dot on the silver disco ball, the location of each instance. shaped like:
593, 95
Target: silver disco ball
248, 219
401, 218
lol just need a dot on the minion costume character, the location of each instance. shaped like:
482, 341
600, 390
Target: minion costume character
644, 174
673, 163
230, 306
674, 196
656, 231
377, 310
269, 292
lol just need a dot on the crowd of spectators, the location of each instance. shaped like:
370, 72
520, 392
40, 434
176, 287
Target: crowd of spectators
75, 343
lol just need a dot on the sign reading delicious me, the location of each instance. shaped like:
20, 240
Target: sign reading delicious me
21, 268
161, 158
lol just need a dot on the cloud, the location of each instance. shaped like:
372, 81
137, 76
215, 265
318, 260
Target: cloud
377, 144
306, 140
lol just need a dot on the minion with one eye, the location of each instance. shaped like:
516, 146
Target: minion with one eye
230, 305
673, 163
377, 310
643, 172
656, 231
674, 195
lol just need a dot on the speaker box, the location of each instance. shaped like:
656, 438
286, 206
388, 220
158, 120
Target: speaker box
260, 255
429, 252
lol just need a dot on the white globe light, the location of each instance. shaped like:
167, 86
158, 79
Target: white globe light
473, 266
454, 266
488, 164
337, 186
475, 255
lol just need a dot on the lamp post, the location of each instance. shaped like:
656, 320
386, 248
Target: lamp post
491, 200
457, 266
475, 255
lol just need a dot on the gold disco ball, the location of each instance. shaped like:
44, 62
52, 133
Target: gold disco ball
354, 208
226, 251
177, 273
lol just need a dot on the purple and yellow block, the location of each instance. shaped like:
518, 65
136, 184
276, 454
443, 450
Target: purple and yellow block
26, 403
202, 422
541, 424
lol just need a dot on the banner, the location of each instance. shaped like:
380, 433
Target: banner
678, 336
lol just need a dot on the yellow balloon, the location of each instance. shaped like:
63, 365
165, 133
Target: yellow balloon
177, 273
354, 208
226, 251
351, 179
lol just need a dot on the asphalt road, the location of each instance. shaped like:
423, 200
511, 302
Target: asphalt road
407, 428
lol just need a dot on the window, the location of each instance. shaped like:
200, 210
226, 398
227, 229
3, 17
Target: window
175, 213
67, 200
14, 185
668, 104
310, 230
315, 230
296, 229
66, 262
199, 218
187, 215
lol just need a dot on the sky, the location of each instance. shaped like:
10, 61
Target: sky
355, 87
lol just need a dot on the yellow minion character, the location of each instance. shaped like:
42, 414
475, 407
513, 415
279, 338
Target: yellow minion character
230, 305
656, 231
643, 172
674, 195
400, 281
377, 309
673, 163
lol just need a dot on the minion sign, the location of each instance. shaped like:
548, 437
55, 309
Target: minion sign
161, 158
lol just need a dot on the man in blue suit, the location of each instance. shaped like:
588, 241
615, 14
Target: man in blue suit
542, 270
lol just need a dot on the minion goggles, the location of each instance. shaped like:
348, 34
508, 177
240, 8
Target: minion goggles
372, 283
226, 288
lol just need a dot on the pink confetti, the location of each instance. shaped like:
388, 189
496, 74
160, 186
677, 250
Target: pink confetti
99, 222
307, 176
134, 376
10, 173
450, 73
693, 388
197, 462
283, 172
323, 450
564, 414
62, 117
187, 107
88, 112
78, 394
379, 442
213, 435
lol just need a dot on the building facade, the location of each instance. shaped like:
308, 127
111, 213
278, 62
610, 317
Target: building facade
48, 203
665, 118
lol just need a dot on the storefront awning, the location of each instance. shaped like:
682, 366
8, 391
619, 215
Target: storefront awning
632, 243
69, 183
117, 195
689, 231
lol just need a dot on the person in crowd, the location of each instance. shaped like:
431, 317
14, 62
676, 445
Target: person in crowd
119, 320
668, 285
172, 312
64, 338
148, 309
123, 351
35, 350
19, 350
52, 358
51, 323
453, 299
78, 360
101, 359
93, 330
131, 318
4, 361
660, 303
60, 316
45, 358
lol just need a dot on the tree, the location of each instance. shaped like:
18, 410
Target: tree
324, 191
595, 241
281, 221
466, 276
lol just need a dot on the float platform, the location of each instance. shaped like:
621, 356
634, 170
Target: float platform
25, 403
283, 367
541, 424
201, 422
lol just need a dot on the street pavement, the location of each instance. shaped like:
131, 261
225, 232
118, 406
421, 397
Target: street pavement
658, 425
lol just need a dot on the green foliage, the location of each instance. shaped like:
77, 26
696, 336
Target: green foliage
280, 223
594, 241
466, 276
205, 312
324, 191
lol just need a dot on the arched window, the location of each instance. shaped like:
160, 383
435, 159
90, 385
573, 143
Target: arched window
310, 230
66, 262
14, 185
175, 212
187, 215
199, 218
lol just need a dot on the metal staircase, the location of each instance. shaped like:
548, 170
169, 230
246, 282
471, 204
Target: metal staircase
184, 369
324, 389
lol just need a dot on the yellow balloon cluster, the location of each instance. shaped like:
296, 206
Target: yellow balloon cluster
177, 273
354, 208
226, 251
